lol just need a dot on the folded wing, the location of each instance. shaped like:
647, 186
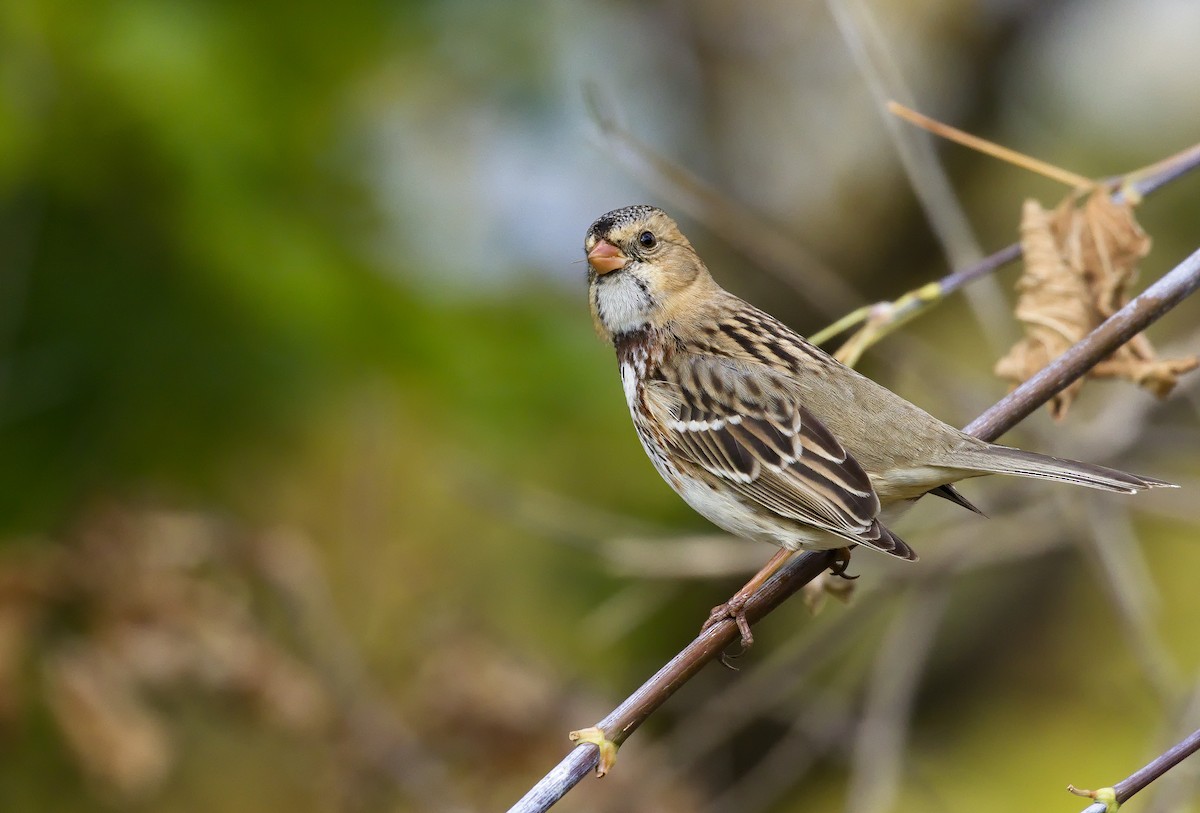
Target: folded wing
746, 426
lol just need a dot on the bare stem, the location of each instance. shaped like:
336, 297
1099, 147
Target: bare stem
1119, 328
881, 319
771, 248
1144, 183
1129, 786
1157, 300
991, 148
1137, 781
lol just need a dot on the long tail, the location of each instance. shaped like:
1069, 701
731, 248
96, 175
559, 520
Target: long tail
995, 459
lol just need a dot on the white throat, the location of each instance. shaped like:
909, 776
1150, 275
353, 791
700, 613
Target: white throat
622, 302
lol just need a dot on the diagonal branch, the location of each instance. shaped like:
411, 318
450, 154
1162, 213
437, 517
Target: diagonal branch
1109, 799
1143, 183
1135, 317
783, 257
881, 318
815, 281
1141, 312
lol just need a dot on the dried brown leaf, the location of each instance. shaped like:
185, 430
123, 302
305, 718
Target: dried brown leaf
1080, 262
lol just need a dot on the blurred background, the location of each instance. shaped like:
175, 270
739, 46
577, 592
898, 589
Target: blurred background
317, 491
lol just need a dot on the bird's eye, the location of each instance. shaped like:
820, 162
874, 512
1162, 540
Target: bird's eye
647, 239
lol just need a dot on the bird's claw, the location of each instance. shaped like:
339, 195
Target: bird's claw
735, 608
841, 563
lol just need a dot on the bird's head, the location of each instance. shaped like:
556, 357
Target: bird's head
641, 270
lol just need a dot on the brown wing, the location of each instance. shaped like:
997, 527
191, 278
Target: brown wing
746, 426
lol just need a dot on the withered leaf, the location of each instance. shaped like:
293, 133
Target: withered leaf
1080, 261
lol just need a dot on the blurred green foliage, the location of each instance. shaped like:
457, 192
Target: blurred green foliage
182, 276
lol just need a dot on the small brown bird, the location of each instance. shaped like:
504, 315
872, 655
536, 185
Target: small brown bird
763, 433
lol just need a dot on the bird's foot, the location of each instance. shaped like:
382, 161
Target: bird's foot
735, 608
597, 737
841, 563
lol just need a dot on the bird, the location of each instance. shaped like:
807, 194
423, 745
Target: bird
760, 431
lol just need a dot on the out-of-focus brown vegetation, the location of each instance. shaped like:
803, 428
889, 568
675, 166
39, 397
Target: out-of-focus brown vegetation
138, 615
317, 492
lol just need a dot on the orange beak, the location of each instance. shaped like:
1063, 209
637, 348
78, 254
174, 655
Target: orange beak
605, 257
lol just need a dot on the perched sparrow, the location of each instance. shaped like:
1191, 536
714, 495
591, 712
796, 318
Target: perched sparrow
761, 432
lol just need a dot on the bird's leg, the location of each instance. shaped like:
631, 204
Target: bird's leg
735, 608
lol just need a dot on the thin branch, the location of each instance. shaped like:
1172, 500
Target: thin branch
870, 49
708, 646
787, 670
789, 666
882, 318
878, 761
1159, 174
1135, 317
1124, 577
998, 151
813, 280
1172, 792
819, 730
1124, 790
1145, 182
1138, 781
993, 262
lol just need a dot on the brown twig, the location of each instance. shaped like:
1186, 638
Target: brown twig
793, 665
1135, 317
1146, 182
1116, 555
814, 280
783, 257
881, 318
974, 142
1172, 793
1108, 798
1132, 319
873, 52
877, 767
